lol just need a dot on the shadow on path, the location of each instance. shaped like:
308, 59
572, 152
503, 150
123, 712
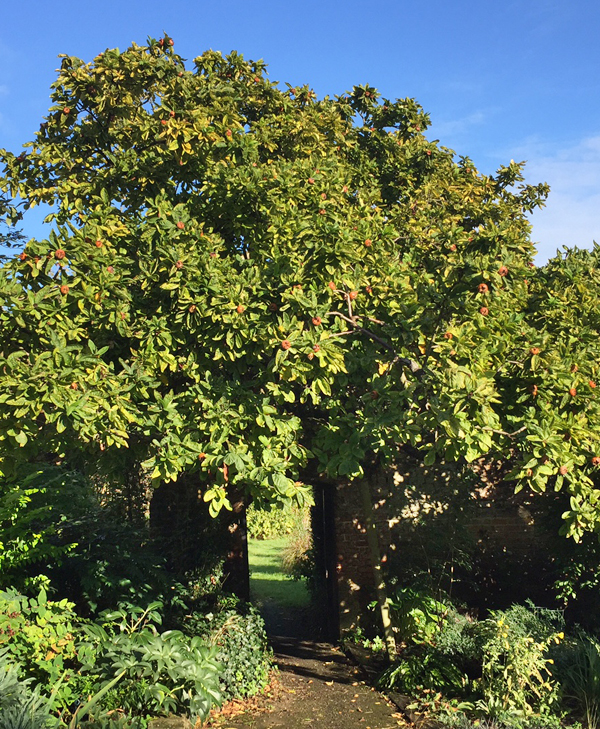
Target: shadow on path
318, 687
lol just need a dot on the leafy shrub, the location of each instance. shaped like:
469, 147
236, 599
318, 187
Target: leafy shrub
113, 562
416, 615
296, 558
421, 671
237, 631
40, 636
36, 512
499, 666
162, 672
515, 660
55, 532
274, 520
578, 671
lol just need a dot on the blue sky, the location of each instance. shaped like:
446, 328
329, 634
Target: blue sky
514, 80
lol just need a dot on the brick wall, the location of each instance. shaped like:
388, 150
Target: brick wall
421, 514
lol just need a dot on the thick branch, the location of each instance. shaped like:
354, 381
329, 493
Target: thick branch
503, 432
414, 367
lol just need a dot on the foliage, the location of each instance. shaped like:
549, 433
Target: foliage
578, 671
41, 637
297, 559
121, 661
458, 720
36, 513
251, 284
274, 520
498, 667
9, 236
162, 672
29, 710
21, 707
238, 632
416, 615
54, 531
515, 668
114, 563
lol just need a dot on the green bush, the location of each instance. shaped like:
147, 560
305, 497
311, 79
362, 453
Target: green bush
41, 637
297, 558
578, 672
274, 521
36, 513
496, 667
237, 631
416, 615
163, 673
516, 674
55, 532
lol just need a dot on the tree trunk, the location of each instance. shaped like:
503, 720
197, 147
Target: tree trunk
373, 542
236, 568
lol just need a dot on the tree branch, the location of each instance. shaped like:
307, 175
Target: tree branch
503, 432
414, 367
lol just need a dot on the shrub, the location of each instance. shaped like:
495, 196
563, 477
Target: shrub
274, 521
36, 512
162, 672
55, 532
515, 660
416, 615
40, 636
296, 559
237, 631
500, 666
578, 671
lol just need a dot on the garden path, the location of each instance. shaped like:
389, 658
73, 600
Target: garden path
317, 687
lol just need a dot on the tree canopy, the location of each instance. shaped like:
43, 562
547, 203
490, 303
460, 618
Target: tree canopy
244, 280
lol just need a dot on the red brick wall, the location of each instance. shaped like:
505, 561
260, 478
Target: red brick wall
475, 504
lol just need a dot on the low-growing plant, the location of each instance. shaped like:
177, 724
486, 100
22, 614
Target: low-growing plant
237, 631
459, 720
21, 705
29, 710
578, 671
421, 671
41, 637
243, 650
162, 672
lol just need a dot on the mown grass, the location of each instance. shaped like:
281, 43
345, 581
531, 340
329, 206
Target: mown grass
268, 583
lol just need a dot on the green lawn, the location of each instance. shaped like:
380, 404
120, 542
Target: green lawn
268, 583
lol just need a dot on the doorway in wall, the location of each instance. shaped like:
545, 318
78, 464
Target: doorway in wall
291, 553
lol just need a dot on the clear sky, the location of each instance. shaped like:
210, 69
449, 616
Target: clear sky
502, 80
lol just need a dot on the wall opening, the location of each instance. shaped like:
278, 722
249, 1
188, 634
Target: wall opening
291, 552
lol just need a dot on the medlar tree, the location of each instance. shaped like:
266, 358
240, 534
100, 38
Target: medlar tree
250, 284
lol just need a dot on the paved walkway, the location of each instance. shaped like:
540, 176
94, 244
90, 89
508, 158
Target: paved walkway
317, 687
